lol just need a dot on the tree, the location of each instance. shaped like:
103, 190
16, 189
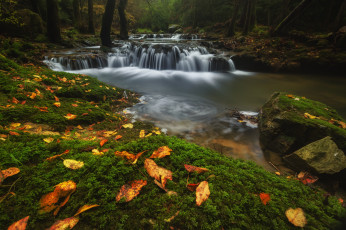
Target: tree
91, 27
53, 21
337, 22
76, 14
107, 23
300, 8
123, 21
231, 27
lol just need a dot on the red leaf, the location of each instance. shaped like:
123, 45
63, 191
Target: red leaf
192, 187
265, 198
14, 133
191, 168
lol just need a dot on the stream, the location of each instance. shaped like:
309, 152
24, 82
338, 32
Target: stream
188, 89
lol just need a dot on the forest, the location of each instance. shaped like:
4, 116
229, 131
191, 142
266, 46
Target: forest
172, 114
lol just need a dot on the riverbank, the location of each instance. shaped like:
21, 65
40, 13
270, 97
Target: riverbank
47, 114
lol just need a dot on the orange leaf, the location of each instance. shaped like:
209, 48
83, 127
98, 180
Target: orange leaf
56, 99
126, 154
70, 116
74, 105
85, 208
33, 95
202, 192
23, 102
57, 104
265, 198
290, 95
14, 100
42, 109
157, 172
7, 173
20, 224
296, 217
191, 168
59, 155
131, 190
117, 137
13, 133
161, 152
102, 142
192, 187
67, 223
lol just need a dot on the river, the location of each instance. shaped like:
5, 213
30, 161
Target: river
189, 90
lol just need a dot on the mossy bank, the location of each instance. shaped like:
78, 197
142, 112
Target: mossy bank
29, 115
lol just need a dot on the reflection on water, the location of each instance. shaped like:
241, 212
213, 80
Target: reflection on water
194, 104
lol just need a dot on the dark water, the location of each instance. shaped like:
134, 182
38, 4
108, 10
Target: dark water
195, 105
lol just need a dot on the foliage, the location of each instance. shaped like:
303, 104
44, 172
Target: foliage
7, 12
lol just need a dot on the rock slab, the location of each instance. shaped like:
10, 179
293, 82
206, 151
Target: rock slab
321, 157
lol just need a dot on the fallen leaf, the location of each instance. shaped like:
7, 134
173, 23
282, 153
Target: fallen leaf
57, 104
48, 201
65, 224
265, 198
131, 190
74, 105
192, 187
172, 217
290, 95
148, 135
296, 217
161, 152
79, 127
202, 192
109, 133
33, 95
70, 116
142, 134
133, 158
278, 173
191, 168
341, 200
306, 178
102, 142
96, 152
117, 137
15, 125
157, 132
73, 164
56, 98
157, 172
14, 100
128, 126
309, 116
8, 172
20, 224
59, 155
85, 208
42, 109
13, 133
48, 139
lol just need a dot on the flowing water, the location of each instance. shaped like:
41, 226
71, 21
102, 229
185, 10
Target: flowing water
188, 89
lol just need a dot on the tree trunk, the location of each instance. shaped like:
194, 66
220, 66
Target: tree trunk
302, 6
35, 7
243, 14
123, 21
247, 18
337, 23
91, 27
107, 23
76, 14
253, 15
231, 27
53, 22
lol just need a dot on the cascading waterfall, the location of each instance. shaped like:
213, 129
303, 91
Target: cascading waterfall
155, 56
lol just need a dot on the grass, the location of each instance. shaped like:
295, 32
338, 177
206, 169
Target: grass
235, 184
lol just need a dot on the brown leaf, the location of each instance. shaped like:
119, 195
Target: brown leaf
172, 217
133, 158
13, 133
85, 208
48, 201
161, 152
65, 224
202, 192
160, 185
8, 173
157, 172
20, 224
117, 137
265, 198
59, 155
14, 100
191, 168
296, 217
102, 142
73, 164
131, 190
192, 187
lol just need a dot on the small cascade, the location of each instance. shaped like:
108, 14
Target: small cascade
154, 56
173, 37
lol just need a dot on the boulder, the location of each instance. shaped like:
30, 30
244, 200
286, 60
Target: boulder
288, 123
322, 156
174, 27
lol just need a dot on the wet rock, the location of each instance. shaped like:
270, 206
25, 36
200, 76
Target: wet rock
340, 38
219, 64
322, 156
172, 28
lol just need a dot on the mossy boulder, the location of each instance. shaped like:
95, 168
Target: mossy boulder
285, 124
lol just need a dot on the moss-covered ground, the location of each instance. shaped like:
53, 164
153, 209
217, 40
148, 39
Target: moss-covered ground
28, 116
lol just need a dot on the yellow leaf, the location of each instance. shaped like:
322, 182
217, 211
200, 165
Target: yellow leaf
64, 224
157, 132
79, 127
57, 104
85, 208
48, 139
296, 217
33, 95
307, 115
97, 152
128, 126
73, 164
278, 173
109, 133
15, 125
70, 116
142, 134
148, 135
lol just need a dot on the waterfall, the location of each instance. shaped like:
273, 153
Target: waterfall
154, 56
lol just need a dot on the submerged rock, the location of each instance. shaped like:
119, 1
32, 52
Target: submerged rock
322, 156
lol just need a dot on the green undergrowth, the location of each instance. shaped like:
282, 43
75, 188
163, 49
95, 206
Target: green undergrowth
235, 185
